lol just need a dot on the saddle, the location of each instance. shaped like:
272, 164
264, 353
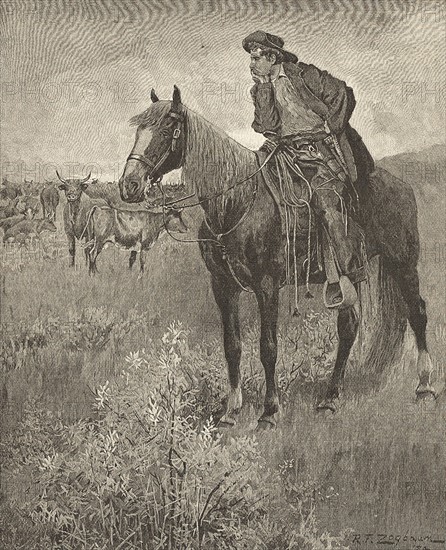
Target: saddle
293, 200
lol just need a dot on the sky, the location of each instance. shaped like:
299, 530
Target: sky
74, 72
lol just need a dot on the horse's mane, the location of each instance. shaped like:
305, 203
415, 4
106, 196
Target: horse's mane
153, 116
213, 161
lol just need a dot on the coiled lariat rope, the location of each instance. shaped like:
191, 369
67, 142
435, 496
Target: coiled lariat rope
285, 165
292, 202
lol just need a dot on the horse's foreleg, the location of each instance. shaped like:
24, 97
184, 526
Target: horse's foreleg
348, 323
268, 301
227, 299
132, 258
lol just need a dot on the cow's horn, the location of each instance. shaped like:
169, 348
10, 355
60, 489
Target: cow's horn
62, 180
86, 179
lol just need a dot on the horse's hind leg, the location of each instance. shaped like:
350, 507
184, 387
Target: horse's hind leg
348, 323
268, 301
227, 299
409, 285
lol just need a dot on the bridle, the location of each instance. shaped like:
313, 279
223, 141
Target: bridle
179, 117
172, 147
216, 237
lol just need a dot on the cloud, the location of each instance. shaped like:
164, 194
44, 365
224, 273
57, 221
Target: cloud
94, 69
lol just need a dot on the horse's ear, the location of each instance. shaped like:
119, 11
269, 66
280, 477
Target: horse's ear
176, 98
153, 96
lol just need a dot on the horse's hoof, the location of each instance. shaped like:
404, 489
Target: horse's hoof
425, 391
226, 422
266, 423
327, 405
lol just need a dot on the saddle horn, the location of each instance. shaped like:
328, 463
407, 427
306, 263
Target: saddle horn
153, 96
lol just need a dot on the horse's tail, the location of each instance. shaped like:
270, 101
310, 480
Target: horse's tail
384, 324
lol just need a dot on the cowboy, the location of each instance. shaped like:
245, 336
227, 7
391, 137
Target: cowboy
307, 111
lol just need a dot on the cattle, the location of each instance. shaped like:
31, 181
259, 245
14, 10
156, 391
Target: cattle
49, 198
7, 223
31, 188
10, 190
135, 230
97, 223
28, 204
10, 209
26, 229
76, 210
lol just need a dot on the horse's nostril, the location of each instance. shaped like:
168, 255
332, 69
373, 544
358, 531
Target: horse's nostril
133, 187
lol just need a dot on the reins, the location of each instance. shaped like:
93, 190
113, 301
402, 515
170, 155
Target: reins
217, 240
217, 237
172, 147
166, 205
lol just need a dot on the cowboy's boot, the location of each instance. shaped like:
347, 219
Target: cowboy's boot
342, 261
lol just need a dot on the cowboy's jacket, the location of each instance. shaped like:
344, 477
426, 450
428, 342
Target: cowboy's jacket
329, 98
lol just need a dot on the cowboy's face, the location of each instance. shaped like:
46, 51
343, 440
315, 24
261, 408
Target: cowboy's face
261, 65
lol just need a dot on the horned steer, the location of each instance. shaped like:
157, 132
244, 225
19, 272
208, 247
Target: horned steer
97, 223
135, 230
76, 211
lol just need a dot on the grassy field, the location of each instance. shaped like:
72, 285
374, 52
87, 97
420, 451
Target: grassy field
377, 467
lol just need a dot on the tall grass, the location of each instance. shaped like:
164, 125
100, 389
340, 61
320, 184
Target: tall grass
148, 468
375, 467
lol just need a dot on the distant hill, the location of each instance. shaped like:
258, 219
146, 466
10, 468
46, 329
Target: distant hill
425, 171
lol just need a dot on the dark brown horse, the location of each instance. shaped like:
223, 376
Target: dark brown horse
242, 243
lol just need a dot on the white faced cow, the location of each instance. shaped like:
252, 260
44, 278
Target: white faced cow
95, 221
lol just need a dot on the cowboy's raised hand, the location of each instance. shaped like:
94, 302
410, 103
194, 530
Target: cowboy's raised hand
260, 78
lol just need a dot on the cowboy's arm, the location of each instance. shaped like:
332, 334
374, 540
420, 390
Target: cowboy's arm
266, 114
336, 95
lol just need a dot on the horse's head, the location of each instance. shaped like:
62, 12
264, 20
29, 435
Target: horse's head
158, 148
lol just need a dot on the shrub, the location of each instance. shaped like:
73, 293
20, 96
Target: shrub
151, 471
95, 326
17, 344
307, 350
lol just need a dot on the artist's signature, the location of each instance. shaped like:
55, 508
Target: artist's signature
397, 542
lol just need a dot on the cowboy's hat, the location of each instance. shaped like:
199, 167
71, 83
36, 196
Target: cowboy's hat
269, 41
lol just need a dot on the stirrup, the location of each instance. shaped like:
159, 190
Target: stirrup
340, 294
